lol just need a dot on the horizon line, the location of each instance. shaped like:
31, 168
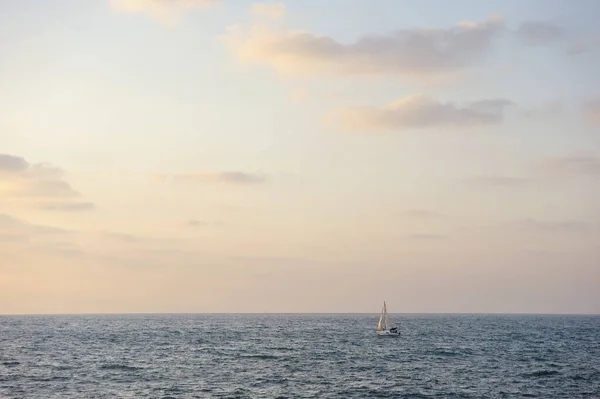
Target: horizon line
299, 313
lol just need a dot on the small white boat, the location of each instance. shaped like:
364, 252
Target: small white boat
386, 328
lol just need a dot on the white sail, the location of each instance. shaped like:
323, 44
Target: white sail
385, 327
380, 326
388, 322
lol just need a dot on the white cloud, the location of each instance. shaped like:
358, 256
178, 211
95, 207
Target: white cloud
38, 182
12, 164
539, 33
240, 178
414, 52
68, 206
419, 111
12, 225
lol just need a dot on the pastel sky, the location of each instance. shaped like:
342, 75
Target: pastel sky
299, 156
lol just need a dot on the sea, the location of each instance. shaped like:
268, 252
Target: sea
298, 356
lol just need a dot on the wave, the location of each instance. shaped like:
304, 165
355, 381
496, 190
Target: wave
261, 356
116, 366
541, 373
11, 363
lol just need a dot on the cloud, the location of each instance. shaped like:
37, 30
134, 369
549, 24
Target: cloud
573, 165
591, 111
26, 238
34, 181
236, 178
539, 33
546, 109
269, 10
166, 11
15, 226
413, 52
68, 206
196, 223
100, 246
543, 33
47, 188
419, 111
12, 164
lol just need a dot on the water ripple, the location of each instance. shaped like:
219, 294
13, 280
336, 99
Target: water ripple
299, 356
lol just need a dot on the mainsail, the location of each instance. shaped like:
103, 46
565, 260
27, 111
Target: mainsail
380, 326
386, 319
385, 327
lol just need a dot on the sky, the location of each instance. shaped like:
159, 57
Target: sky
299, 156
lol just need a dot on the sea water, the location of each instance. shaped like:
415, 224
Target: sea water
299, 356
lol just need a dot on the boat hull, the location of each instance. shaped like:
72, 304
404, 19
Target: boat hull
386, 333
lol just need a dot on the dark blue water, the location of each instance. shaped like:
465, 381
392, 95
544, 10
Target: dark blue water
299, 356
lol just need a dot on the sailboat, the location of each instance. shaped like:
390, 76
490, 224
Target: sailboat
385, 326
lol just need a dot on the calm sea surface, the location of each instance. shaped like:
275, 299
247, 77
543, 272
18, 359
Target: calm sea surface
299, 356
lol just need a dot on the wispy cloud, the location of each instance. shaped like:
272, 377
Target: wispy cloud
36, 182
196, 223
16, 226
29, 237
545, 33
540, 33
269, 10
47, 189
419, 111
166, 11
413, 52
236, 178
567, 166
545, 109
105, 246
68, 206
